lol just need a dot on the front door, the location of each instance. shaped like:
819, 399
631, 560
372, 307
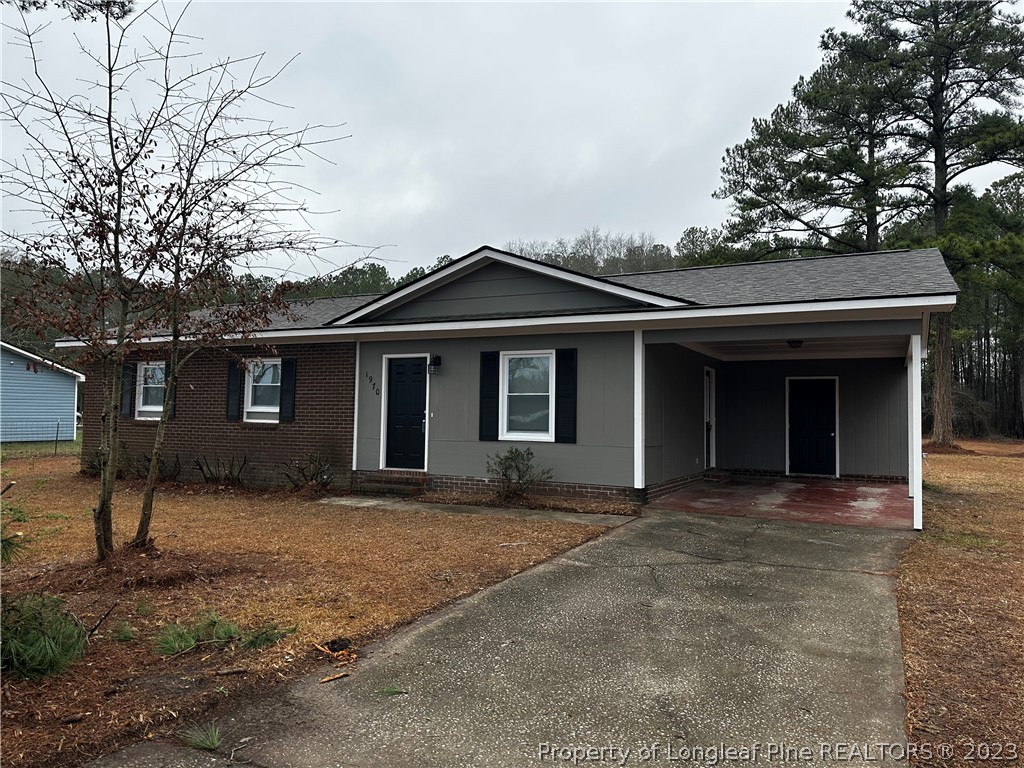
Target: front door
406, 412
812, 426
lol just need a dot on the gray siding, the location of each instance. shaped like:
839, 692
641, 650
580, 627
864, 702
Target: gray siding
501, 288
873, 433
674, 412
603, 453
33, 398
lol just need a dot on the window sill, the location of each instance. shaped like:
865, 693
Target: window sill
526, 438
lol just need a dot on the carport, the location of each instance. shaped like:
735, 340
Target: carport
806, 500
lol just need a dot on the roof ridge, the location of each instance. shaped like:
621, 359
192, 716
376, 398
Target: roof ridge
769, 261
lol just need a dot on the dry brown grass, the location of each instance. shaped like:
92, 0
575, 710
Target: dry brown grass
961, 601
330, 571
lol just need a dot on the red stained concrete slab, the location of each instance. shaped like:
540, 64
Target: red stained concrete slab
801, 500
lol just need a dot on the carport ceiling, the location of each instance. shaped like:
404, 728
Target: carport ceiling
775, 349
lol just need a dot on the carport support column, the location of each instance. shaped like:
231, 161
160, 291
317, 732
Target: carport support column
914, 423
638, 409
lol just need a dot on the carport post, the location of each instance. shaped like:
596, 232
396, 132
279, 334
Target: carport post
914, 422
638, 409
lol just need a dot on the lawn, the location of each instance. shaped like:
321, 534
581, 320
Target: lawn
332, 573
961, 601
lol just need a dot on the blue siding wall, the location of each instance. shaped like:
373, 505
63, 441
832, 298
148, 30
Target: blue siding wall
33, 399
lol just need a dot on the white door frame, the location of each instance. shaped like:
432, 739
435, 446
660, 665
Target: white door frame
836, 379
710, 404
384, 414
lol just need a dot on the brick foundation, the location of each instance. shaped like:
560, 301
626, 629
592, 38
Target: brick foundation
579, 490
666, 487
325, 376
779, 475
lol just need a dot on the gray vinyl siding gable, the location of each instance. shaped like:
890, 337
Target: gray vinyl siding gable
33, 398
502, 289
603, 452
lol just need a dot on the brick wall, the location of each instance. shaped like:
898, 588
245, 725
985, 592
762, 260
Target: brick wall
324, 381
579, 490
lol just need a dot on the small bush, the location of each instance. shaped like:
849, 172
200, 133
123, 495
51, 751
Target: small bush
312, 472
210, 629
174, 639
40, 637
264, 636
167, 469
124, 633
220, 471
515, 472
202, 736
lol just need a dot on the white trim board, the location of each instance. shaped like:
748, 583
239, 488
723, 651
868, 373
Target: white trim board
792, 378
639, 398
382, 461
693, 317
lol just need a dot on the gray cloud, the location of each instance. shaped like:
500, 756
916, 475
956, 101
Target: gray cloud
474, 123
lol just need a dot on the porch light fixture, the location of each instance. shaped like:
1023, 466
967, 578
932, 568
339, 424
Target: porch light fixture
795, 343
434, 364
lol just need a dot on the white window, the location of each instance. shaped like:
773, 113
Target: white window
263, 390
527, 404
149, 390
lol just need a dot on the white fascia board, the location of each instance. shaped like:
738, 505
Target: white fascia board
694, 317
43, 360
454, 271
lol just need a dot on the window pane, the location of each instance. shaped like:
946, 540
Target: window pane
152, 396
152, 376
268, 395
528, 413
529, 374
266, 373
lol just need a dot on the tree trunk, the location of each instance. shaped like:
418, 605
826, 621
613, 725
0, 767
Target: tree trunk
103, 512
142, 538
942, 385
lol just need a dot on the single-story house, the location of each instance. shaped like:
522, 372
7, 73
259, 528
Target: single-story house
38, 397
626, 386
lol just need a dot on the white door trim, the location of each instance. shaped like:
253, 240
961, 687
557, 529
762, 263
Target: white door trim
384, 414
792, 378
915, 479
355, 414
711, 403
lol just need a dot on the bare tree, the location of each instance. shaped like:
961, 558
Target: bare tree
155, 186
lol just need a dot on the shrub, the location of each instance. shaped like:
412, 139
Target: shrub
515, 472
167, 469
220, 471
264, 636
202, 736
312, 472
40, 637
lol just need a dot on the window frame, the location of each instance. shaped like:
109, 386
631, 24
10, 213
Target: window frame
247, 406
148, 412
503, 394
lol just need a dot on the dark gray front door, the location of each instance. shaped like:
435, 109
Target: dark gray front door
407, 406
812, 426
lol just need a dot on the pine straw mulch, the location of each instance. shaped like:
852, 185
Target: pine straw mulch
340, 576
553, 503
961, 603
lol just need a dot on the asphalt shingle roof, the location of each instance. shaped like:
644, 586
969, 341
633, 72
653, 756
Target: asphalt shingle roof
313, 313
822, 278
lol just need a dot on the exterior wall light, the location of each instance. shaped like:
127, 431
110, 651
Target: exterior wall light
795, 343
434, 364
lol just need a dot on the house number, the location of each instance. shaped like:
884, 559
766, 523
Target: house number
373, 384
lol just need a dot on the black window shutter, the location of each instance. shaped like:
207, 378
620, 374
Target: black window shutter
174, 392
565, 395
287, 406
234, 405
489, 395
128, 371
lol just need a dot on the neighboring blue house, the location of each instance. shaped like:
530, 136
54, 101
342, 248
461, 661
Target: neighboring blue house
38, 397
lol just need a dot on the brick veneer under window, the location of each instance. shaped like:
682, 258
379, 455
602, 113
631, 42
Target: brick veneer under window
325, 376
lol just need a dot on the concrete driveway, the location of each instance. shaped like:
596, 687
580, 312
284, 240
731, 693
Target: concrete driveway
681, 631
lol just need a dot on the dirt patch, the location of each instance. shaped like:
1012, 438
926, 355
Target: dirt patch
553, 503
961, 603
331, 574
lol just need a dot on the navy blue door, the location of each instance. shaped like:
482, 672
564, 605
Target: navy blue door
406, 418
812, 426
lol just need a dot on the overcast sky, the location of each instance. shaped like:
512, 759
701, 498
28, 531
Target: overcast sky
483, 122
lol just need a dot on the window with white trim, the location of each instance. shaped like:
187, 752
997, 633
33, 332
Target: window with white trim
263, 390
527, 403
149, 390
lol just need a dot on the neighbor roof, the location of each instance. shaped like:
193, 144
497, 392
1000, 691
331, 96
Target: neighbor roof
880, 274
45, 361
